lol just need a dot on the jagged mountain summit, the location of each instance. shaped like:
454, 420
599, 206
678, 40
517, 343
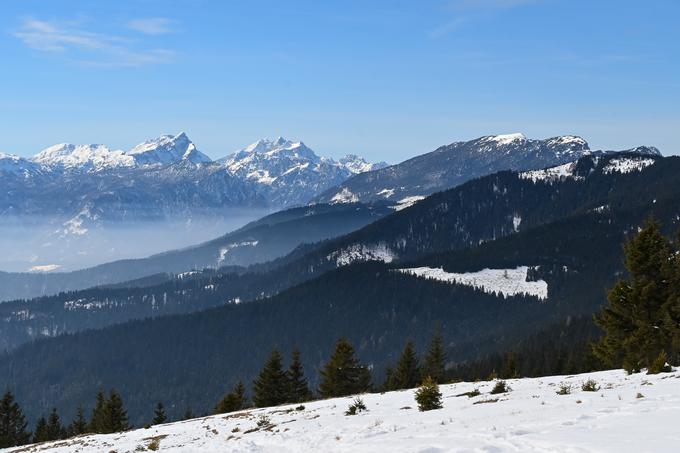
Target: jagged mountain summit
163, 178
454, 164
290, 172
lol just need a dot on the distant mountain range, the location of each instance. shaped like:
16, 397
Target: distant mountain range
163, 178
454, 164
455, 259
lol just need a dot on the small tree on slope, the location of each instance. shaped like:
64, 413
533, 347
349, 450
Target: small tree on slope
232, 401
434, 363
428, 395
633, 320
271, 387
343, 374
12, 423
299, 389
159, 416
407, 373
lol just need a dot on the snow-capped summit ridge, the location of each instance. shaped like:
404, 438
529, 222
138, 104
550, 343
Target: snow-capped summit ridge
94, 156
168, 149
505, 139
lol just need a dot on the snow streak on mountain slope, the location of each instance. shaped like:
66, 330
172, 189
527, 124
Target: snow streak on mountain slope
628, 414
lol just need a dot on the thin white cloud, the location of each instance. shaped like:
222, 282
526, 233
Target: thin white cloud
86, 47
465, 10
471, 5
151, 26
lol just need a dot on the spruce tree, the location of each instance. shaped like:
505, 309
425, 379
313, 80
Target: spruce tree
116, 413
271, 387
99, 422
55, 430
79, 425
40, 434
159, 416
188, 414
434, 363
343, 374
633, 320
232, 401
428, 395
389, 380
299, 389
12, 423
407, 373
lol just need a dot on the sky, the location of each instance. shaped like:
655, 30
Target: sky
384, 79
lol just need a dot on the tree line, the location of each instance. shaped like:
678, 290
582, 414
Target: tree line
342, 375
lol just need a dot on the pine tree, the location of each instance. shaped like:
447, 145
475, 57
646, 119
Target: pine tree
271, 387
389, 380
434, 363
54, 429
188, 414
99, 422
671, 307
233, 401
428, 395
634, 320
116, 413
407, 373
159, 416
40, 433
343, 374
79, 425
299, 389
12, 423
510, 367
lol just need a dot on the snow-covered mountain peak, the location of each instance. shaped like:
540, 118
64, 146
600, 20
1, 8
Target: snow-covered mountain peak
167, 149
89, 157
505, 139
357, 164
570, 140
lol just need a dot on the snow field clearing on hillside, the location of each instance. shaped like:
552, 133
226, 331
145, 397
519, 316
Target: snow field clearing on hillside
508, 282
628, 414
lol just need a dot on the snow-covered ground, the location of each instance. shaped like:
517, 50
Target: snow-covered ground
508, 282
628, 414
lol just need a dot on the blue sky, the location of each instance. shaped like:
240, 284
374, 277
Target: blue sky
386, 79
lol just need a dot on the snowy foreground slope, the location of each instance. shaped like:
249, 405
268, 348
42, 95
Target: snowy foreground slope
629, 413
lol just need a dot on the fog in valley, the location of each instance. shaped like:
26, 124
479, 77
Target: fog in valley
47, 245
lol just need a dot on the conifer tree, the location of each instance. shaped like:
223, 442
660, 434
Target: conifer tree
116, 413
634, 320
271, 387
388, 384
79, 425
407, 373
188, 414
12, 423
99, 421
159, 416
428, 395
55, 430
510, 366
233, 401
40, 433
671, 307
343, 374
299, 389
434, 363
